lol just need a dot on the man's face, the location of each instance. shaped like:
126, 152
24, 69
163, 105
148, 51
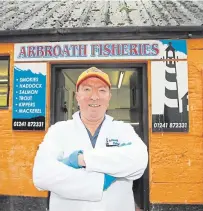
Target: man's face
93, 97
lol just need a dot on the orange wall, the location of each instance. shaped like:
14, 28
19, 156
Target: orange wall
176, 160
17, 148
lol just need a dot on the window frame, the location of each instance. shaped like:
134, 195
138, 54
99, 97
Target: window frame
8, 82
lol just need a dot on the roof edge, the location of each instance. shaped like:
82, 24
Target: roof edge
86, 30
102, 33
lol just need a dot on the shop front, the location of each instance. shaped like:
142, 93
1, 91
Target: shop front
156, 87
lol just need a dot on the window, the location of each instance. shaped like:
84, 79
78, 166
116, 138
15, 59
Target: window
4, 78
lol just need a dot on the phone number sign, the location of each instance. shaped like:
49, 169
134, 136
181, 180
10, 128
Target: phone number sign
29, 96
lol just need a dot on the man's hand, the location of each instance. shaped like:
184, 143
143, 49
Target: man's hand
75, 160
81, 161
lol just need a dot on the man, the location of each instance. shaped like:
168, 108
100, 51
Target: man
89, 163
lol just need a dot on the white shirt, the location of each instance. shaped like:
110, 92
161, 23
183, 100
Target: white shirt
82, 189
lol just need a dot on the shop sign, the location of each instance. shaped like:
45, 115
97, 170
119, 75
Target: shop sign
94, 50
29, 96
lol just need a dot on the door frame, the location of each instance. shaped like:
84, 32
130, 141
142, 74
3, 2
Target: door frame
55, 71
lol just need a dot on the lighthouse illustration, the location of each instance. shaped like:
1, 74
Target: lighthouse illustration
171, 102
174, 114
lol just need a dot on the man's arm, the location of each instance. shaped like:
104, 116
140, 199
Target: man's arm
129, 161
51, 174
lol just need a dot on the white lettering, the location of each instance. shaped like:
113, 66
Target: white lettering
33, 86
27, 104
27, 92
26, 98
35, 79
32, 111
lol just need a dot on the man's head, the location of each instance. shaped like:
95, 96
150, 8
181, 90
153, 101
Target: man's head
93, 93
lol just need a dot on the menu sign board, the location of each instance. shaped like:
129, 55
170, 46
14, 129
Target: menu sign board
29, 96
